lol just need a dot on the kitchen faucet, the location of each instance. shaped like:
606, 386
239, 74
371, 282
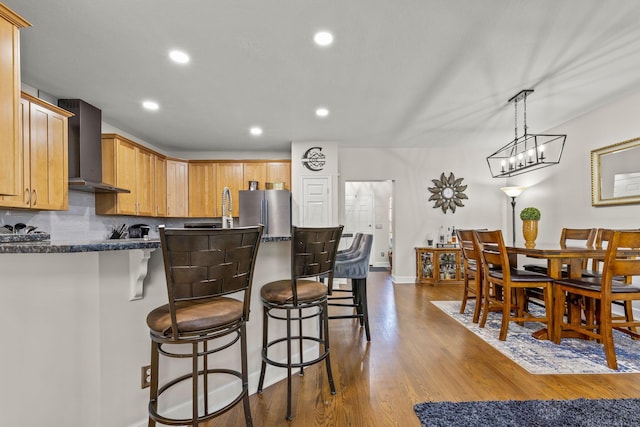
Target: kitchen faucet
227, 208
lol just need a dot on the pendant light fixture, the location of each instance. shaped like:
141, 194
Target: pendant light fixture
528, 151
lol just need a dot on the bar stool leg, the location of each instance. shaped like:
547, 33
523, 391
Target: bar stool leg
265, 330
325, 318
289, 417
153, 401
245, 376
361, 285
194, 382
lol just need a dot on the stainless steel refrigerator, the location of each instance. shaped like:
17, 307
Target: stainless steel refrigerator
269, 207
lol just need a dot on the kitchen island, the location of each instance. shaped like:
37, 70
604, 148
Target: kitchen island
78, 338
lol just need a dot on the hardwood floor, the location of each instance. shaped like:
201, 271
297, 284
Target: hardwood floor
417, 354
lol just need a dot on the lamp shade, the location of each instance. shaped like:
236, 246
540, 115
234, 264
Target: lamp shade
513, 191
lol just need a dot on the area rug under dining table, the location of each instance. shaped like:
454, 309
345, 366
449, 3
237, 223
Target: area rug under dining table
571, 356
531, 413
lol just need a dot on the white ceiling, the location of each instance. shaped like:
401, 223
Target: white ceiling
401, 73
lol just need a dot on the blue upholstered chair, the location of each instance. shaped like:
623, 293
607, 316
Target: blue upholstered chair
351, 250
354, 266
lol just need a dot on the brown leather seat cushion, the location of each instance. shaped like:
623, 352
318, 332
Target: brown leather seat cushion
279, 292
196, 315
595, 283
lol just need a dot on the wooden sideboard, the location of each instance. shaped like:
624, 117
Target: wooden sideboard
438, 266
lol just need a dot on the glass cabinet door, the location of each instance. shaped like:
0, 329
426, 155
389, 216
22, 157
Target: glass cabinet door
427, 265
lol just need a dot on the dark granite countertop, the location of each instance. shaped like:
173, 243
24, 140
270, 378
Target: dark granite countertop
61, 246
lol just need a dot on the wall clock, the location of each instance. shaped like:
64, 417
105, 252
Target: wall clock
448, 192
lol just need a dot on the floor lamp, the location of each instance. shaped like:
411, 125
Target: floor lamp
513, 192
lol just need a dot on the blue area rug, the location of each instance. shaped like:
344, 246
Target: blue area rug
531, 413
571, 356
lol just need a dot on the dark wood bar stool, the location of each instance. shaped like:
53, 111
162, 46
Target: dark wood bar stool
313, 254
209, 274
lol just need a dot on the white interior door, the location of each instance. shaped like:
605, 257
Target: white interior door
359, 215
316, 202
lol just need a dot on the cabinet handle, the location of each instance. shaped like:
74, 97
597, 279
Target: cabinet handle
35, 197
27, 196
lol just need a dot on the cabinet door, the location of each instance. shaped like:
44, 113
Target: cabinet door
177, 188
48, 159
144, 182
22, 199
230, 175
10, 146
203, 197
279, 172
255, 172
125, 158
160, 188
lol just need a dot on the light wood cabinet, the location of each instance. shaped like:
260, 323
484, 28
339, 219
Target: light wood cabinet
255, 171
145, 182
165, 187
160, 188
230, 174
203, 194
267, 171
42, 165
177, 188
10, 141
439, 266
279, 172
126, 165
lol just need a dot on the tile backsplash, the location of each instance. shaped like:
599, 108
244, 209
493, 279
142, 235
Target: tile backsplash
80, 221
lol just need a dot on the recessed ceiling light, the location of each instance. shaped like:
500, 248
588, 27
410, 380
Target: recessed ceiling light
323, 38
322, 112
150, 105
179, 56
255, 130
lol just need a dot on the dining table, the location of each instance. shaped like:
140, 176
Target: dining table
557, 256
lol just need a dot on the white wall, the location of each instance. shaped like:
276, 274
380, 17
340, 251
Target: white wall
562, 192
414, 216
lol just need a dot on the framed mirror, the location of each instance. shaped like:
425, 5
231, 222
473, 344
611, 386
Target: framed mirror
615, 174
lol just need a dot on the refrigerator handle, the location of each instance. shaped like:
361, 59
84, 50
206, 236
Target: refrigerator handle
266, 215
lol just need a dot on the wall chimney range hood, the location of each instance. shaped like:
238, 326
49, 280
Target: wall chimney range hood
85, 148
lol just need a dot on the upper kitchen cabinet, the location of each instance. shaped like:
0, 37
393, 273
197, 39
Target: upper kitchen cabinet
255, 171
177, 188
279, 172
42, 165
10, 143
160, 188
264, 171
230, 174
127, 165
203, 194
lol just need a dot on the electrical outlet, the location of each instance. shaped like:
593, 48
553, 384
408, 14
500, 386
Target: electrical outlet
145, 376
381, 254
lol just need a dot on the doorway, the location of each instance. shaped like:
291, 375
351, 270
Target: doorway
368, 208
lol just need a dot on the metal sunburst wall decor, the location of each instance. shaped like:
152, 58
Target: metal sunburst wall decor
448, 192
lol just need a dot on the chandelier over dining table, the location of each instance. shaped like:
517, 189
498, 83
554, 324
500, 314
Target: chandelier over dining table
528, 151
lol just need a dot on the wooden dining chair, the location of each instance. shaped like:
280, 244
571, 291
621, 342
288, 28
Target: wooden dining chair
472, 272
603, 237
604, 291
513, 282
